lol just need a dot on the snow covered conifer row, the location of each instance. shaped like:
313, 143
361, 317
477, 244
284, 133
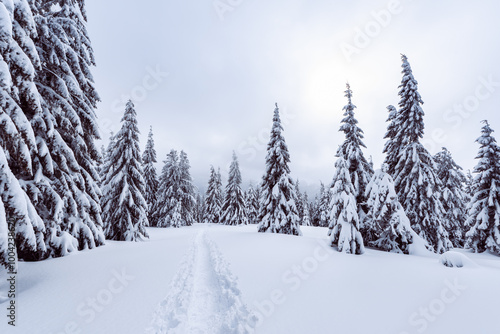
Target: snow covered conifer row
176, 203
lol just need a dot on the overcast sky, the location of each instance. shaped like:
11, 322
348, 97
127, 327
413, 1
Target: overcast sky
206, 74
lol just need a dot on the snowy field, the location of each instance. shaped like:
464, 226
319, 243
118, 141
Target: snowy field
216, 279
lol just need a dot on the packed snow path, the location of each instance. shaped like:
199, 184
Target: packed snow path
203, 298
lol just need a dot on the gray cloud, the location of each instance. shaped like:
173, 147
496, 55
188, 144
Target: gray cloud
225, 75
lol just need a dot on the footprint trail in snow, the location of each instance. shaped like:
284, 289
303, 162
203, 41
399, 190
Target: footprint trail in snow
204, 297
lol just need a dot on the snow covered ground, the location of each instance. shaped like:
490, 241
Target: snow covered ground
289, 284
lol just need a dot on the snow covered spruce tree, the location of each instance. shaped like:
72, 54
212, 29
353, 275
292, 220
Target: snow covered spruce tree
277, 209
213, 204
386, 224
252, 201
453, 196
234, 208
344, 220
323, 207
314, 209
47, 92
220, 191
300, 201
483, 217
199, 212
26, 164
150, 176
168, 192
417, 185
360, 169
68, 106
187, 190
124, 206
176, 200
306, 218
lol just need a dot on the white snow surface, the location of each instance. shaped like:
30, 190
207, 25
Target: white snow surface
291, 284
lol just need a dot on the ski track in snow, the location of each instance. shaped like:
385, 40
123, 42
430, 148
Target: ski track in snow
203, 297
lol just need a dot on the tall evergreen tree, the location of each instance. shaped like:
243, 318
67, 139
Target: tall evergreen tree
453, 196
306, 219
234, 208
150, 176
386, 225
300, 201
252, 201
26, 162
48, 126
187, 190
220, 191
212, 199
324, 199
314, 210
124, 206
200, 208
168, 192
344, 220
68, 108
277, 208
360, 169
484, 209
417, 185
